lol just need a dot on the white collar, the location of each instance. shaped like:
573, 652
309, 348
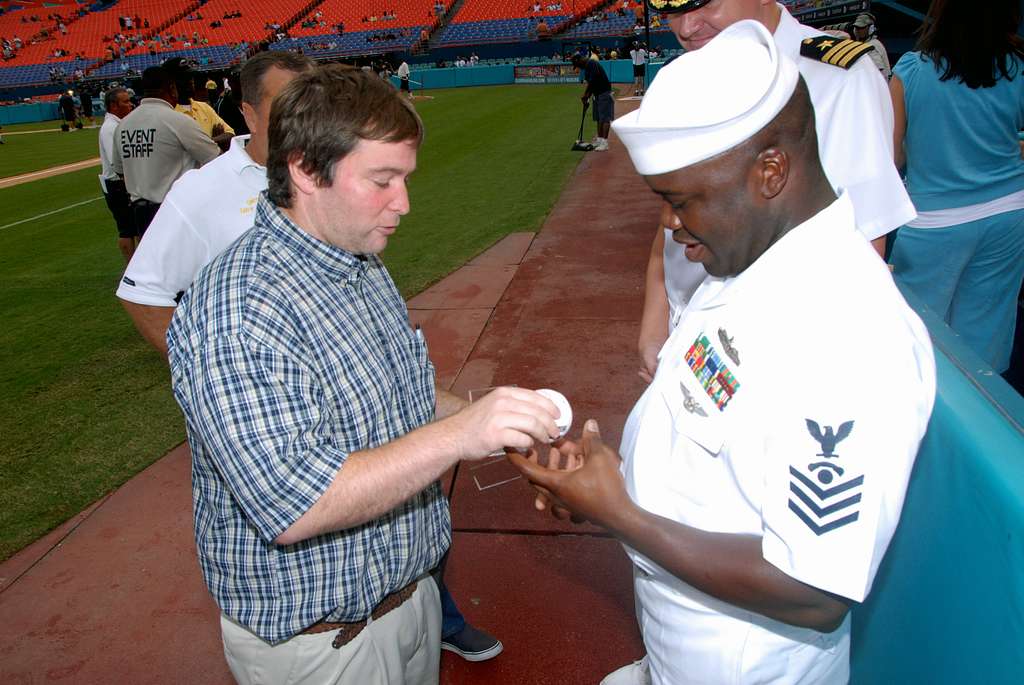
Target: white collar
111, 117
788, 256
788, 35
239, 157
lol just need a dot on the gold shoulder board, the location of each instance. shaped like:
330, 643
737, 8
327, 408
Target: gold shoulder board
839, 52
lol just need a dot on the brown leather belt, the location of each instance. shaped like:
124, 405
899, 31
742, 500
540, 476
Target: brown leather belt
349, 631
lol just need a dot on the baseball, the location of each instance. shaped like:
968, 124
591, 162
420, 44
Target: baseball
564, 420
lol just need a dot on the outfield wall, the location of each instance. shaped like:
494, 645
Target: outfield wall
619, 71
27, 113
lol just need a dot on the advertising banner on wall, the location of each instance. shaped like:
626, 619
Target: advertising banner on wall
817, 12
546, 73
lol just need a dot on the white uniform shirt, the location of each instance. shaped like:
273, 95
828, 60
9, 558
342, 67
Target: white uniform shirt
854, 122
403, 70
204, 212
639, 57
789, 404
110, 122
155, 145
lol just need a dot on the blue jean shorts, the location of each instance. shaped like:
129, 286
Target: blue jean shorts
604, 107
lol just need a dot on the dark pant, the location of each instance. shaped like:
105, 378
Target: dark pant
452, 621
120, 207
143, 212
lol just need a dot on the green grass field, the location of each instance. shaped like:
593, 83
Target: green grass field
85, 404
50, 125
22, 153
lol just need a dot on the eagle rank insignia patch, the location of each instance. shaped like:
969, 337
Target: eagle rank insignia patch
839, 52
824, 495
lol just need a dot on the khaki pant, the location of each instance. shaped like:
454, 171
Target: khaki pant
401, 648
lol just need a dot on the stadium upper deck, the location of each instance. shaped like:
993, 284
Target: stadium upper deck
50, 40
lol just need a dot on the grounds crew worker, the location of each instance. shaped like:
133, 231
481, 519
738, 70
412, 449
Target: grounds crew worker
764, 469
854, 121
154, 146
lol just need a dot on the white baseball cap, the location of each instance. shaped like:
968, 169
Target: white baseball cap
709, 100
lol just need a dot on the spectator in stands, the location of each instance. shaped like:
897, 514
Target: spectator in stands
959, 110
373, 521
156, 145
864, 30
599, 88
118, 104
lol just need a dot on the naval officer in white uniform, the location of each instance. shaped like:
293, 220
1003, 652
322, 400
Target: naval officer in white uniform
764, 469
854, 121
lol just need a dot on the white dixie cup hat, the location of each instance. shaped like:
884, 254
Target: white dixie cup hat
709, 100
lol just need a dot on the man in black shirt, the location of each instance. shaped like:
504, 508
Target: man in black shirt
229, 106
67, 110
600, 88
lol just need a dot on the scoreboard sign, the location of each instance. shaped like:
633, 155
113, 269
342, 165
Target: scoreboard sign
824, 12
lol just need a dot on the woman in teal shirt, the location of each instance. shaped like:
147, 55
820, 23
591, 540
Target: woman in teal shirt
959, 105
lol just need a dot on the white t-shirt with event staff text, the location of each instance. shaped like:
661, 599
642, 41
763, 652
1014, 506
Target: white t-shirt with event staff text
154, 146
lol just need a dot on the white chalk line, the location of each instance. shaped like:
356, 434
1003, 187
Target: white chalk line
55, 211
44, 130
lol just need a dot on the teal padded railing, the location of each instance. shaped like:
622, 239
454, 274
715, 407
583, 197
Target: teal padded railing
947, 605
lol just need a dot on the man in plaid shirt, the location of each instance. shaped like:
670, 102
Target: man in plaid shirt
317, 433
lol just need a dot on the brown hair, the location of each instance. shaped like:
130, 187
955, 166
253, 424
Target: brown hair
251, 77
322, 115
975, 43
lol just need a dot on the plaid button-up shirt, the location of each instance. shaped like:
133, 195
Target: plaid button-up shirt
288, 354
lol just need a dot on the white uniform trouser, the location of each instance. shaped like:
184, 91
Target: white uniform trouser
403, 647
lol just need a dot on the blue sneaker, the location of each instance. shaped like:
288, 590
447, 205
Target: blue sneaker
473, 644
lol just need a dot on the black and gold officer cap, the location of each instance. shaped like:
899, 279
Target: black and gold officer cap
675, 6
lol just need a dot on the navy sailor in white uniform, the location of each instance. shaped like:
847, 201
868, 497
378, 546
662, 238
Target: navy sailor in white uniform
763, 471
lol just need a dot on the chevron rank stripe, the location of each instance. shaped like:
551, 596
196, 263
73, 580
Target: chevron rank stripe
812, 506
842, 53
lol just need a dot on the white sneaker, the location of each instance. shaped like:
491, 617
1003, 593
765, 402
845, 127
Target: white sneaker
636, 673
601, 145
